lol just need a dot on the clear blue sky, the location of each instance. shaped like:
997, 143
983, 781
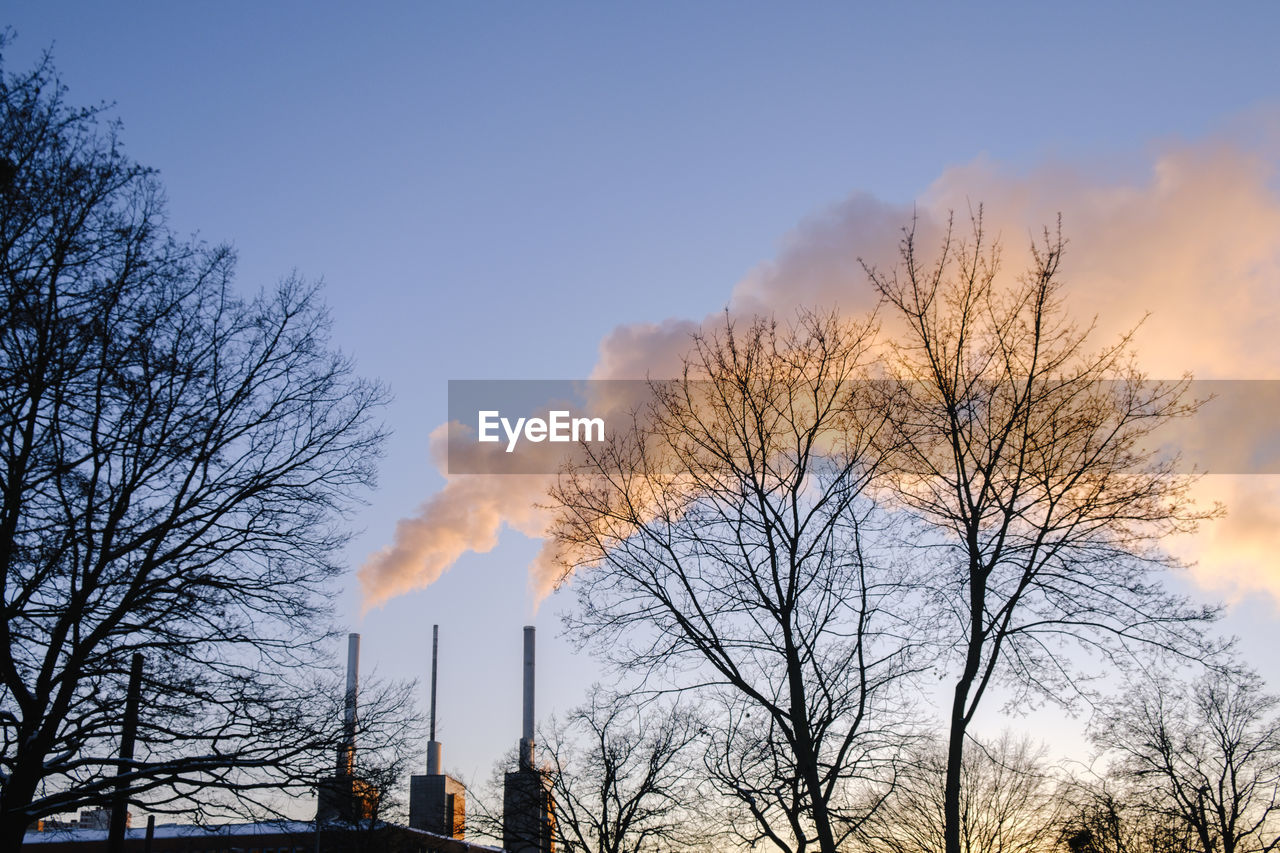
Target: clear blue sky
489, 188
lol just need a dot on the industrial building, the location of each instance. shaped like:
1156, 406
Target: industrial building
437, 802
528, 809
343, 822
285, 836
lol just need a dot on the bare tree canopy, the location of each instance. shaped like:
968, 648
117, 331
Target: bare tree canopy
1203, 755
1099, 816
622, 774
1020, 453
1008, 801
724, 543
174, 465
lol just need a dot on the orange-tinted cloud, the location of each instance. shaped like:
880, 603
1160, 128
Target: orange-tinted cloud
1194, 243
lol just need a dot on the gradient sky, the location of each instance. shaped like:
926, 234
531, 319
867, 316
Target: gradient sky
489, 189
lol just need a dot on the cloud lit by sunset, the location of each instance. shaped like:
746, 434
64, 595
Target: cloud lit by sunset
1189, 254
870, 409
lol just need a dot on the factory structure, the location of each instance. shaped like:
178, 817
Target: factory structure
437, 802
528, 810
346, 804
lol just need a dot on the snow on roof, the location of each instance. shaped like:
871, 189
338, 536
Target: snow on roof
188, 830
175, 830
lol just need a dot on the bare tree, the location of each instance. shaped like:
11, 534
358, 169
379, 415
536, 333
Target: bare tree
1206, 755
1100, 817
1020, 454
724, 543
485, 801
174, 465
389, 739
620, 770
622, 776
1008, 801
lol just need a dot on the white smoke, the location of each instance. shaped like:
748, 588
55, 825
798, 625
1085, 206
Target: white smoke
1194, 244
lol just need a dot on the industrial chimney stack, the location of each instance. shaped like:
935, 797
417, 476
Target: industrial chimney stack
437, 803
433, 745
347, 751
528, 811
526, 736
343, 797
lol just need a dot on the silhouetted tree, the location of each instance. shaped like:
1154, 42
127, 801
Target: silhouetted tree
1019, 451
1206, 755
389, 738
622, 774
1008, 801
1099, 816
174, 465
724, 542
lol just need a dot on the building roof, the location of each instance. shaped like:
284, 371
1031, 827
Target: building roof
260, 828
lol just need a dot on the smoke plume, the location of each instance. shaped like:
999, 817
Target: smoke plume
1192, 246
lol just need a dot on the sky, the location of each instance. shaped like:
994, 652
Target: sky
565, 190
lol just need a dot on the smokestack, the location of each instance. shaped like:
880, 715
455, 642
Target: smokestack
437, 803
343, 797
433, 746
528, 809
347, 751
526, 740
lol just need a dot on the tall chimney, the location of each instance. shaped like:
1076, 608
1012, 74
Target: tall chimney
342, 797
433, 745
528, 809
526, 739
347, 751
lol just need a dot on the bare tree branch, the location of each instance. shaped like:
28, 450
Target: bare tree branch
175, 463
1020, 452
725, 544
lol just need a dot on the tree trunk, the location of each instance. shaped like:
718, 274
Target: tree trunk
16, 795
955, 760
806, 755
821, 816
12, 828
959, 724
